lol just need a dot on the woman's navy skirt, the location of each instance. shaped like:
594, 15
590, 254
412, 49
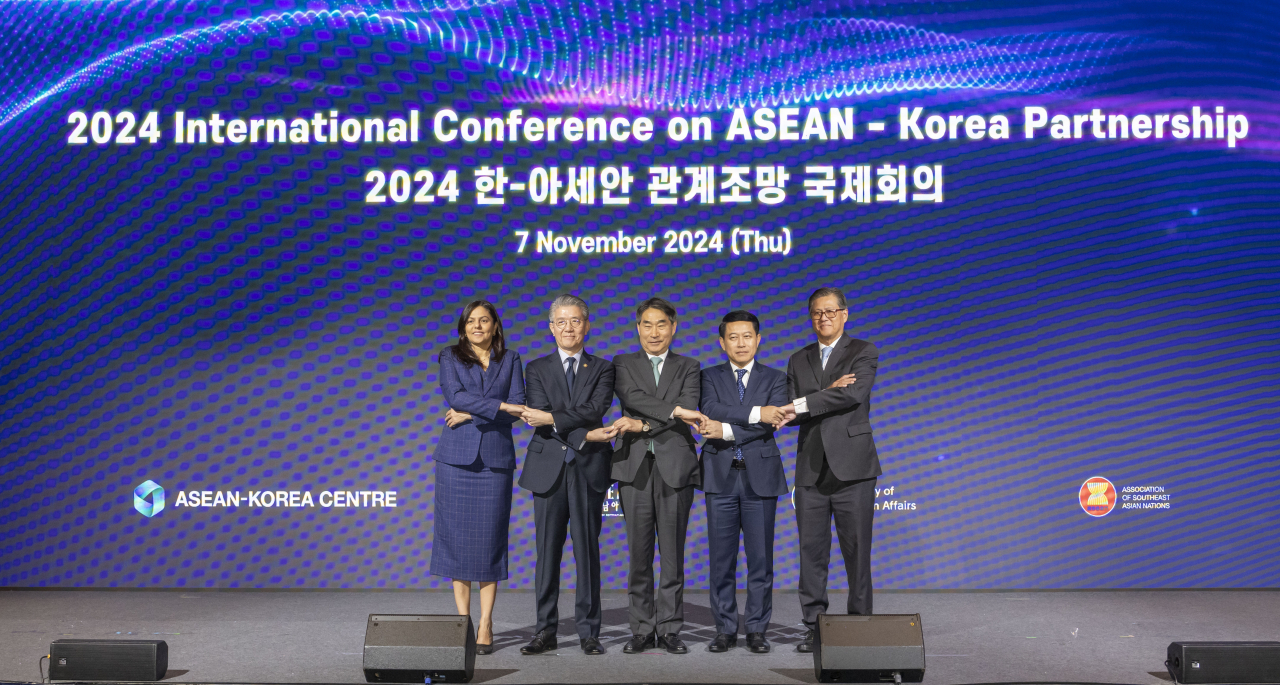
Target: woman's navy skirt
472, 517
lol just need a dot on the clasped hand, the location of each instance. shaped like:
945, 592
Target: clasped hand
774, 416
627, 424
539, 417
454, 418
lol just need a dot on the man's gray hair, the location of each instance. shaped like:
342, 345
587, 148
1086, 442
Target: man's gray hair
569, 301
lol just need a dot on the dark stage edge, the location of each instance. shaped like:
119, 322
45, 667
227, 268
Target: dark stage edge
317, 637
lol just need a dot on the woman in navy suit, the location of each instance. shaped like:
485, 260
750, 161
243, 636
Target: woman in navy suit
483, 384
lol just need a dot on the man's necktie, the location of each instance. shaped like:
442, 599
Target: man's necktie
742, 392
657, 376
826, 354
569, 376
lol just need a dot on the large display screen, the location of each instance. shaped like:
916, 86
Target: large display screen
236, 235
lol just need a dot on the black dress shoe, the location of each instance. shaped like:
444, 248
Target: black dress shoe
757, 643
638, 643
544, 641
592, 647
673, 644
723, 643
806, 645
483, 649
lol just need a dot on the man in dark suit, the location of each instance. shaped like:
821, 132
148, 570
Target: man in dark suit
743, 478
836, 462
567, 469
656, 466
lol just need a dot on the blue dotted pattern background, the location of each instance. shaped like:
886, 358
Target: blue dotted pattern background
238, 318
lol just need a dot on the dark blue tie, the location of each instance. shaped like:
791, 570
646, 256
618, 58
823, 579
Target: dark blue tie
742, 392
569, 375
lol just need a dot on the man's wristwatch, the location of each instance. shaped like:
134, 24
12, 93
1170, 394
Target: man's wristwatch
644, 427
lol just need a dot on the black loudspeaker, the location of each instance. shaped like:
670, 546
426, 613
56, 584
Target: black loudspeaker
1224, 662
416, 648
108, 659
869, 649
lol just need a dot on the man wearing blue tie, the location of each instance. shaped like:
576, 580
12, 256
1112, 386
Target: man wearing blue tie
567, 394
829, 382
743, 477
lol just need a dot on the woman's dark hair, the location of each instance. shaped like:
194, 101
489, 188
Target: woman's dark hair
463, 352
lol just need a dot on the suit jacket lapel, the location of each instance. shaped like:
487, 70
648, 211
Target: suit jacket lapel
668, 372
753, 384
586, 365
842, 349
476, 373
644, 371
813, 356
729, 381
491, 374
556, 386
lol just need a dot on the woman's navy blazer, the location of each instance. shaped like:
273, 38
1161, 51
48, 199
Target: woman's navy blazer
480, 392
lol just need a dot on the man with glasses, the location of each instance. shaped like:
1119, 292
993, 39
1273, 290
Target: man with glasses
656, 467
836, 462
567, 469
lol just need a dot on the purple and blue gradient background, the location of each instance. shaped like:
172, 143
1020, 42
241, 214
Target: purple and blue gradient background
237, 318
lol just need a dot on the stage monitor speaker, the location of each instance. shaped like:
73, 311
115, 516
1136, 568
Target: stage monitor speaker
108, 659
869, 649
416, 648
1224, 662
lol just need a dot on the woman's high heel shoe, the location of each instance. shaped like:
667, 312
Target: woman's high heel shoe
483, 649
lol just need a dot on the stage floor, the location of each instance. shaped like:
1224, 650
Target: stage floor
974, 637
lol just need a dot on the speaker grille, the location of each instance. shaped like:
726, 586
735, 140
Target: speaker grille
411, 647
869, 648
137, 660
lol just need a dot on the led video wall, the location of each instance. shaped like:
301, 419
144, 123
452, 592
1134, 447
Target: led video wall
236, 236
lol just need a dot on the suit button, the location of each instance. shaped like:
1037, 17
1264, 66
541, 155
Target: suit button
563, 447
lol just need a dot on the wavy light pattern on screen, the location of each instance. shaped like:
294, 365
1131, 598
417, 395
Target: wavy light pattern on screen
573, 55
126, 64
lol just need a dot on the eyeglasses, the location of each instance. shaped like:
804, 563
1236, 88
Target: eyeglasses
825, 313
571, 323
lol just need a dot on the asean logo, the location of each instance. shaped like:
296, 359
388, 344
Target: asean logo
1097, 496
154, 505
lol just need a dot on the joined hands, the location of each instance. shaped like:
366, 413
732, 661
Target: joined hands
538, 417
778, 416
702, 424
454, 418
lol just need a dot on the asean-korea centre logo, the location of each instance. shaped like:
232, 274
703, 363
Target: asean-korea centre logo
142, 492
1097, 496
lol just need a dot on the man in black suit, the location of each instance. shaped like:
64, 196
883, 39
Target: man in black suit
567, 469
656, 466
743, 478
836, 462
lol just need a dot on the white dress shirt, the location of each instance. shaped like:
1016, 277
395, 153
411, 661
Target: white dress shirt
746, 378
802, 404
